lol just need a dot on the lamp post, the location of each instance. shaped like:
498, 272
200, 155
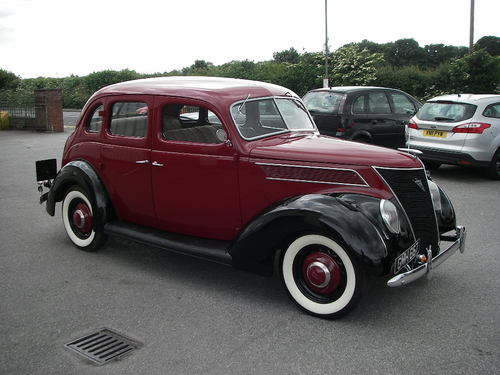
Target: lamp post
325, 78
471, 35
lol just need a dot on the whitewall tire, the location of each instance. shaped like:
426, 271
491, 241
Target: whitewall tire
77, 215
320, 276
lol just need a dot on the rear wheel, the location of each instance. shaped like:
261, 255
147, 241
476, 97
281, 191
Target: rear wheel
494, 169
320, 276
78, 220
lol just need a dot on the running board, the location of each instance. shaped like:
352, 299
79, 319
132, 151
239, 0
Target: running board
203, 248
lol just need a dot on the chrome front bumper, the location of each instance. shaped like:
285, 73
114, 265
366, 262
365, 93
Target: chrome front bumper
426, 268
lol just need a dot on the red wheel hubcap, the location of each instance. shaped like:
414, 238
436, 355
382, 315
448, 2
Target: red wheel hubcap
321, 272
82, 218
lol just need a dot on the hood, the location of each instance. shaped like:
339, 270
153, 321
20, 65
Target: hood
323, 149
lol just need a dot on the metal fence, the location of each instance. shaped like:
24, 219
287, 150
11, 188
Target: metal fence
25, 112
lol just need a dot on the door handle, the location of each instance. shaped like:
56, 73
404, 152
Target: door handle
141, 161
156, 164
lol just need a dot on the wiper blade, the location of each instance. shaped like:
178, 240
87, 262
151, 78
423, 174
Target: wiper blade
443, 119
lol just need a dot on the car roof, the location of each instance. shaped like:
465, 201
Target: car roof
467, 98
348, 89
204, 88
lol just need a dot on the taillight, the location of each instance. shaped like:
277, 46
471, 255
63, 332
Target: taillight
472, 127
340, 132
412, 125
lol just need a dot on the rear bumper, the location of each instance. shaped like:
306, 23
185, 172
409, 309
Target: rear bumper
449, 157
426, 268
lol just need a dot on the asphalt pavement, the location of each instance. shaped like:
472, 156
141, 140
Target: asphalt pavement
70, 117
195, 317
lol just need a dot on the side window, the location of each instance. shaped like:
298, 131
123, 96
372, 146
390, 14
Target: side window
185, 123
129, 119
378, 103
492, 110
402, 104
94, 124
359, 105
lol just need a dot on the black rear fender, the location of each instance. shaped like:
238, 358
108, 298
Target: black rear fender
82, 174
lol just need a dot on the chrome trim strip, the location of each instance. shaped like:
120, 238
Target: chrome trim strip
313, 182
397, 169
425, 269
365, 184
411, 151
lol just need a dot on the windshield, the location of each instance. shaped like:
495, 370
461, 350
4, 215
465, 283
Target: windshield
323, 101
257, 118
446, 111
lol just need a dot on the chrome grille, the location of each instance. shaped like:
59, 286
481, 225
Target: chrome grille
411, 189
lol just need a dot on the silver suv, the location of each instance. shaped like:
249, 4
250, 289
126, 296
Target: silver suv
461, 129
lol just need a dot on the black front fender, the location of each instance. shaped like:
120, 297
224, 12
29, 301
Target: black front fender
82, 174
274, 229
446, 217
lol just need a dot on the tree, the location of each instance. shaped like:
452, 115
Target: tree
97, 80
290, 56
437, 54
199, 68
490, 43
8, 80
352, 66
404, 52
478, 73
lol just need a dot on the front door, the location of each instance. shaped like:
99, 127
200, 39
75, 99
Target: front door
125, 158
194, 177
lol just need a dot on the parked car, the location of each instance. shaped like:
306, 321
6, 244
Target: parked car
365, 114
461, 129
249, 182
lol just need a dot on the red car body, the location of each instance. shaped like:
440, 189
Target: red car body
246, 197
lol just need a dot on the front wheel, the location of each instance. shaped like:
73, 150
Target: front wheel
78, 220
320, 276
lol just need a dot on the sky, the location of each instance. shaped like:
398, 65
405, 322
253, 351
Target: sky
54, 38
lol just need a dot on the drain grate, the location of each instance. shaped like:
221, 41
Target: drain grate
102, 346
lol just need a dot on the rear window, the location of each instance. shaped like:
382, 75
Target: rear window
446, 111
323, 101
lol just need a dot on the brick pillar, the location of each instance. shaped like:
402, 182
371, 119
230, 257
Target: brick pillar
53, 100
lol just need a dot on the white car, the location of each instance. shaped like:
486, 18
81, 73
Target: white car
461, 129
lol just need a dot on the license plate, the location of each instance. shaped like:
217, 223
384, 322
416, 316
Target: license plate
435, 133
46, 169
406, 257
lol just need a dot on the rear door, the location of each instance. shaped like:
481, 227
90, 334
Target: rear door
385, 128
126, 156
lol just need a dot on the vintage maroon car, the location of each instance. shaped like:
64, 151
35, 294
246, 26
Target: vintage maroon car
236, 172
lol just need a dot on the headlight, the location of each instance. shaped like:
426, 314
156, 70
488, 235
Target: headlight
390, 216
435, 195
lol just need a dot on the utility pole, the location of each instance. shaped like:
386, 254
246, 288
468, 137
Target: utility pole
471, 36
325, 78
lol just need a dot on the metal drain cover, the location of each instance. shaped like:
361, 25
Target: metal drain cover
102, 346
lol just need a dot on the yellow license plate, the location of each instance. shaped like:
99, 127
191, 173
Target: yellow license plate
435, 133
